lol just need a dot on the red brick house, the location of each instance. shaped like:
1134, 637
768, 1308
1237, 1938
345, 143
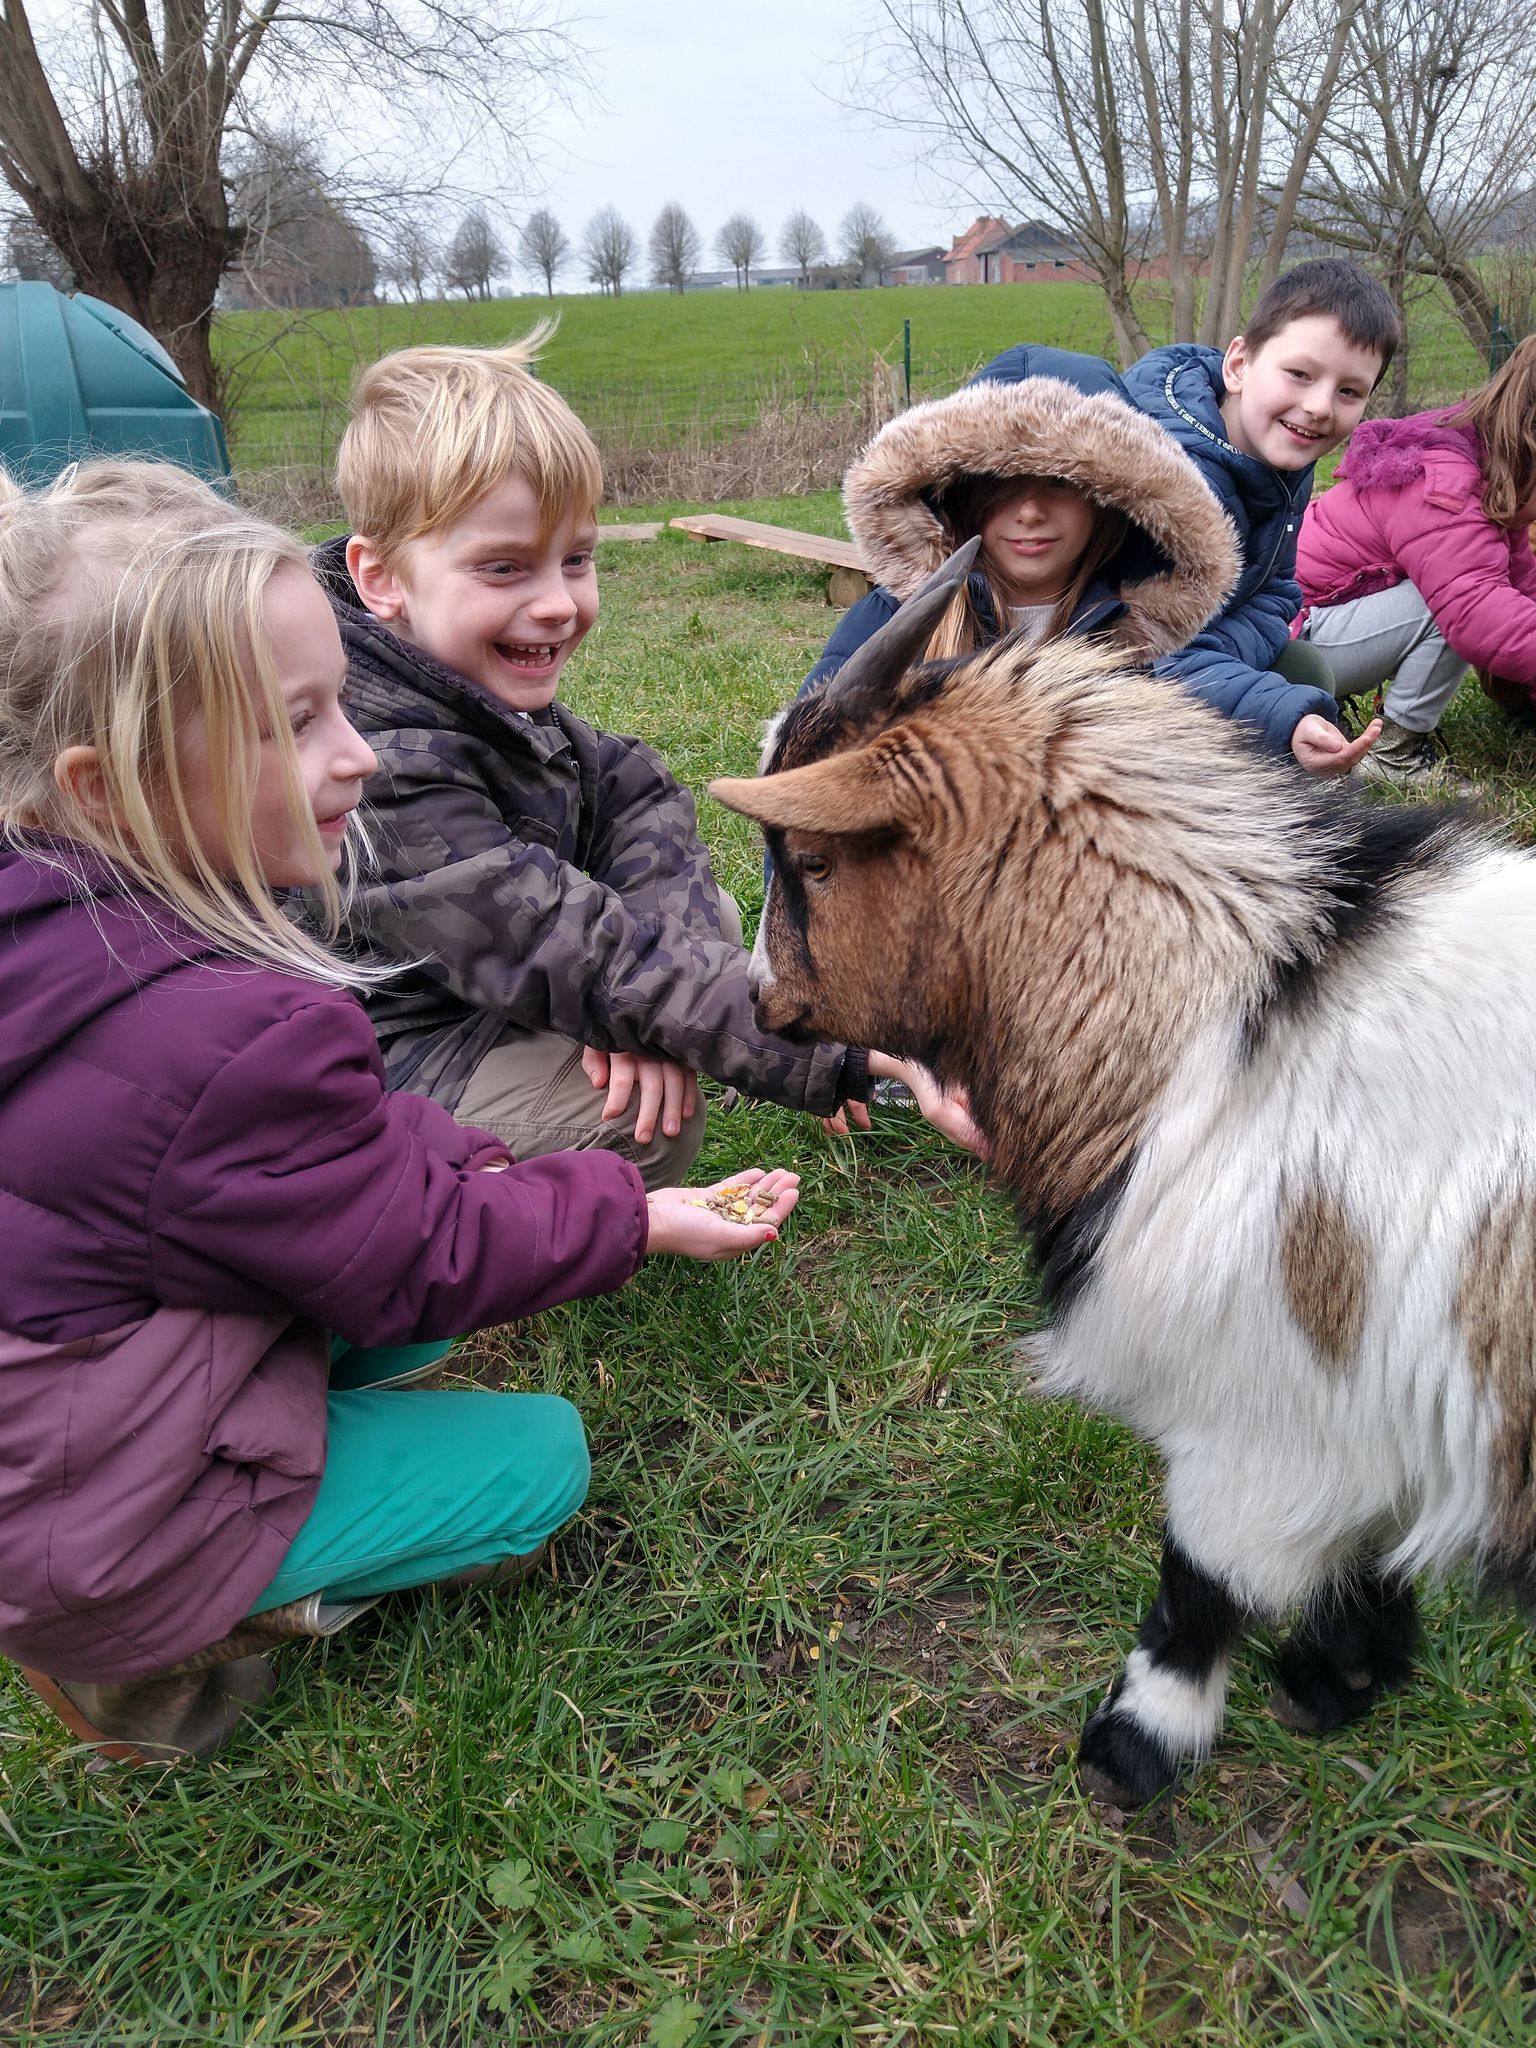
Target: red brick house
993, 252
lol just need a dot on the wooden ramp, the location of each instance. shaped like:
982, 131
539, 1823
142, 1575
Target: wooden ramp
848, 580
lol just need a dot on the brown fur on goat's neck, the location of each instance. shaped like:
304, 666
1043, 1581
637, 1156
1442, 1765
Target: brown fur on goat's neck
1118, 869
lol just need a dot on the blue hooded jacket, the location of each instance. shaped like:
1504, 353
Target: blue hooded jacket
1230, 663
1037, 411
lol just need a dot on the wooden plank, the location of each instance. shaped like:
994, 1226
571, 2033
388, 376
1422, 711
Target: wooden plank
780, 540
633, 529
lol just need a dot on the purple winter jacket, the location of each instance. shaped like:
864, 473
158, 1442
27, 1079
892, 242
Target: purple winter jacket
1407, 507
200, 1177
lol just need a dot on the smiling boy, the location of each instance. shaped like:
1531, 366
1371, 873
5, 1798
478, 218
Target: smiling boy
1255, 420
568, 962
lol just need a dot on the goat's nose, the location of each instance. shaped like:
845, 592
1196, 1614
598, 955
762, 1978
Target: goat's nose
754, 980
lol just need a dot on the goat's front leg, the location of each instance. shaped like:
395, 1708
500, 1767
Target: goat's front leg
1354, 1642
1167, 1703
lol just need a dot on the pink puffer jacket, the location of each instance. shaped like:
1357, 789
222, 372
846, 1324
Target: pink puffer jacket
1407, 507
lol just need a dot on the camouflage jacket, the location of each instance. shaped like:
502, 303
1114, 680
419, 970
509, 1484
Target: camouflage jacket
541, 874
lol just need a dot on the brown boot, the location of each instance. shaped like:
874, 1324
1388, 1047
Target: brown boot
193, 1708
158, 1719
294, 1622
1412, 760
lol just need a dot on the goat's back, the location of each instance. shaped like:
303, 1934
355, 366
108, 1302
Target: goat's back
1318, 1291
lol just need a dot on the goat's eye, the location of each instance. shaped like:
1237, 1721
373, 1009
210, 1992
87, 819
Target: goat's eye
814, 867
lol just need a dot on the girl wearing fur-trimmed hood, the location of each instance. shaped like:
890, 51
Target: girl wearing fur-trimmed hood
1092, 518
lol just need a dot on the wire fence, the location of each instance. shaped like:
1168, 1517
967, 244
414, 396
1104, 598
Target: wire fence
744, 433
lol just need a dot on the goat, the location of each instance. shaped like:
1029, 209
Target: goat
1161, 962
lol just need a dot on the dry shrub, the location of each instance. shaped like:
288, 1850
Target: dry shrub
296, 496
796, 443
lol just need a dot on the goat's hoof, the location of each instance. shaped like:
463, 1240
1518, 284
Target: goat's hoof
1121, 1763
1291, 1713
1315, 1696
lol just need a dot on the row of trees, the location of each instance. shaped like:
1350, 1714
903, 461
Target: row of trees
301, 247
1209, 136
609, 248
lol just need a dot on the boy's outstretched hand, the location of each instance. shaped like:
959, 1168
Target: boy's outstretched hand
948, 1111
682, 1220
1322, 749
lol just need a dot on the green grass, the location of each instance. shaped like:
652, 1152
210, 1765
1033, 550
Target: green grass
645, 366
781, 1752
648, 367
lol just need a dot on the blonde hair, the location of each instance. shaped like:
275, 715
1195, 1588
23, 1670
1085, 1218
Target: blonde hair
131, 603
434, 429
963, 511
1503, 416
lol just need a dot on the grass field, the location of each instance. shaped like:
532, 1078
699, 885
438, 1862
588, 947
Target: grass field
651, 368
780, 1753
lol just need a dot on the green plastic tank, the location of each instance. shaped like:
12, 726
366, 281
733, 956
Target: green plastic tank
79, 378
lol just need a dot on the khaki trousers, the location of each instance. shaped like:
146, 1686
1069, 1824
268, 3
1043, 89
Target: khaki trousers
530, 1092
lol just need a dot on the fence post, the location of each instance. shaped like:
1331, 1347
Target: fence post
1501, 343
906, 359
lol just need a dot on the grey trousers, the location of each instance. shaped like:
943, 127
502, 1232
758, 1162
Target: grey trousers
530, 1092
1391, 633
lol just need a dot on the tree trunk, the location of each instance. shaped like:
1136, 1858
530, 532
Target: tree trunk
1131, 338
165, 281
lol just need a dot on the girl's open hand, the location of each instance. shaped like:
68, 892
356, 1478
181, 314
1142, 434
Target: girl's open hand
679, 1221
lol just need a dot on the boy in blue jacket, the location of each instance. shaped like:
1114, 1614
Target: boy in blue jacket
1255, 421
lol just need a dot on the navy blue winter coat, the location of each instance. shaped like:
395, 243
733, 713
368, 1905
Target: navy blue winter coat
1230, 663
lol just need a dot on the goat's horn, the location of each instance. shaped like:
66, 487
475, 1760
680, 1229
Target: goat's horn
872, 670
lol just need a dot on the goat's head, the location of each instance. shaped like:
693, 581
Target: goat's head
1033, 869
854, 797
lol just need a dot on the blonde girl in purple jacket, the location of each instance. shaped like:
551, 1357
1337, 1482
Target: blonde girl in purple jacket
1417, 565
213, 1215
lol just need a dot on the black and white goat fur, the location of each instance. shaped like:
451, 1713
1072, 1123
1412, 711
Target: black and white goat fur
1258, 1061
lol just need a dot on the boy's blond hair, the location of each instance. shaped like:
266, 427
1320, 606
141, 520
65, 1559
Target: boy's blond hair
434, 429
131, 603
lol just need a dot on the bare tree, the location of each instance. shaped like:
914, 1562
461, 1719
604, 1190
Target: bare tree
114, 125
543, 246
609, 249
1132, 134
675, 248
802, 243
411, 258
866, 242
1427, 146
474, 257
299, 247
741, 243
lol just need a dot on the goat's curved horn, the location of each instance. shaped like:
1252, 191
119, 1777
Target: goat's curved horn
872, 671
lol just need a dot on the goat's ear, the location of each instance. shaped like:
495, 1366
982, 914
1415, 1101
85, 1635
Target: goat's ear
870, 674
844, 793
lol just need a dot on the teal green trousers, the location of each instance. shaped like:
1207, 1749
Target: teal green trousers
419, 1485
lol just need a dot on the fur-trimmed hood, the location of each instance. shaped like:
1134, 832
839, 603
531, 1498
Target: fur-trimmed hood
1180, 560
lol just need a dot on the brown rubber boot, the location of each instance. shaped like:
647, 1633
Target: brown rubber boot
193, 1708
161, 1718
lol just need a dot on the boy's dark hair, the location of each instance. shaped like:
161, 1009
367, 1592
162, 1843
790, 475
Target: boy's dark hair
1344, 292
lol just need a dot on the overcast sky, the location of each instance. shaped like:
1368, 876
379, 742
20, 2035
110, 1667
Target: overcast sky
725, 106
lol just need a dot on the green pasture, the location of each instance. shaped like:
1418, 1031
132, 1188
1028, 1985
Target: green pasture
651, 367
780, 1751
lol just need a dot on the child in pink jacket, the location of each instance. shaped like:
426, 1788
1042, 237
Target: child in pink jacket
1417, 564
